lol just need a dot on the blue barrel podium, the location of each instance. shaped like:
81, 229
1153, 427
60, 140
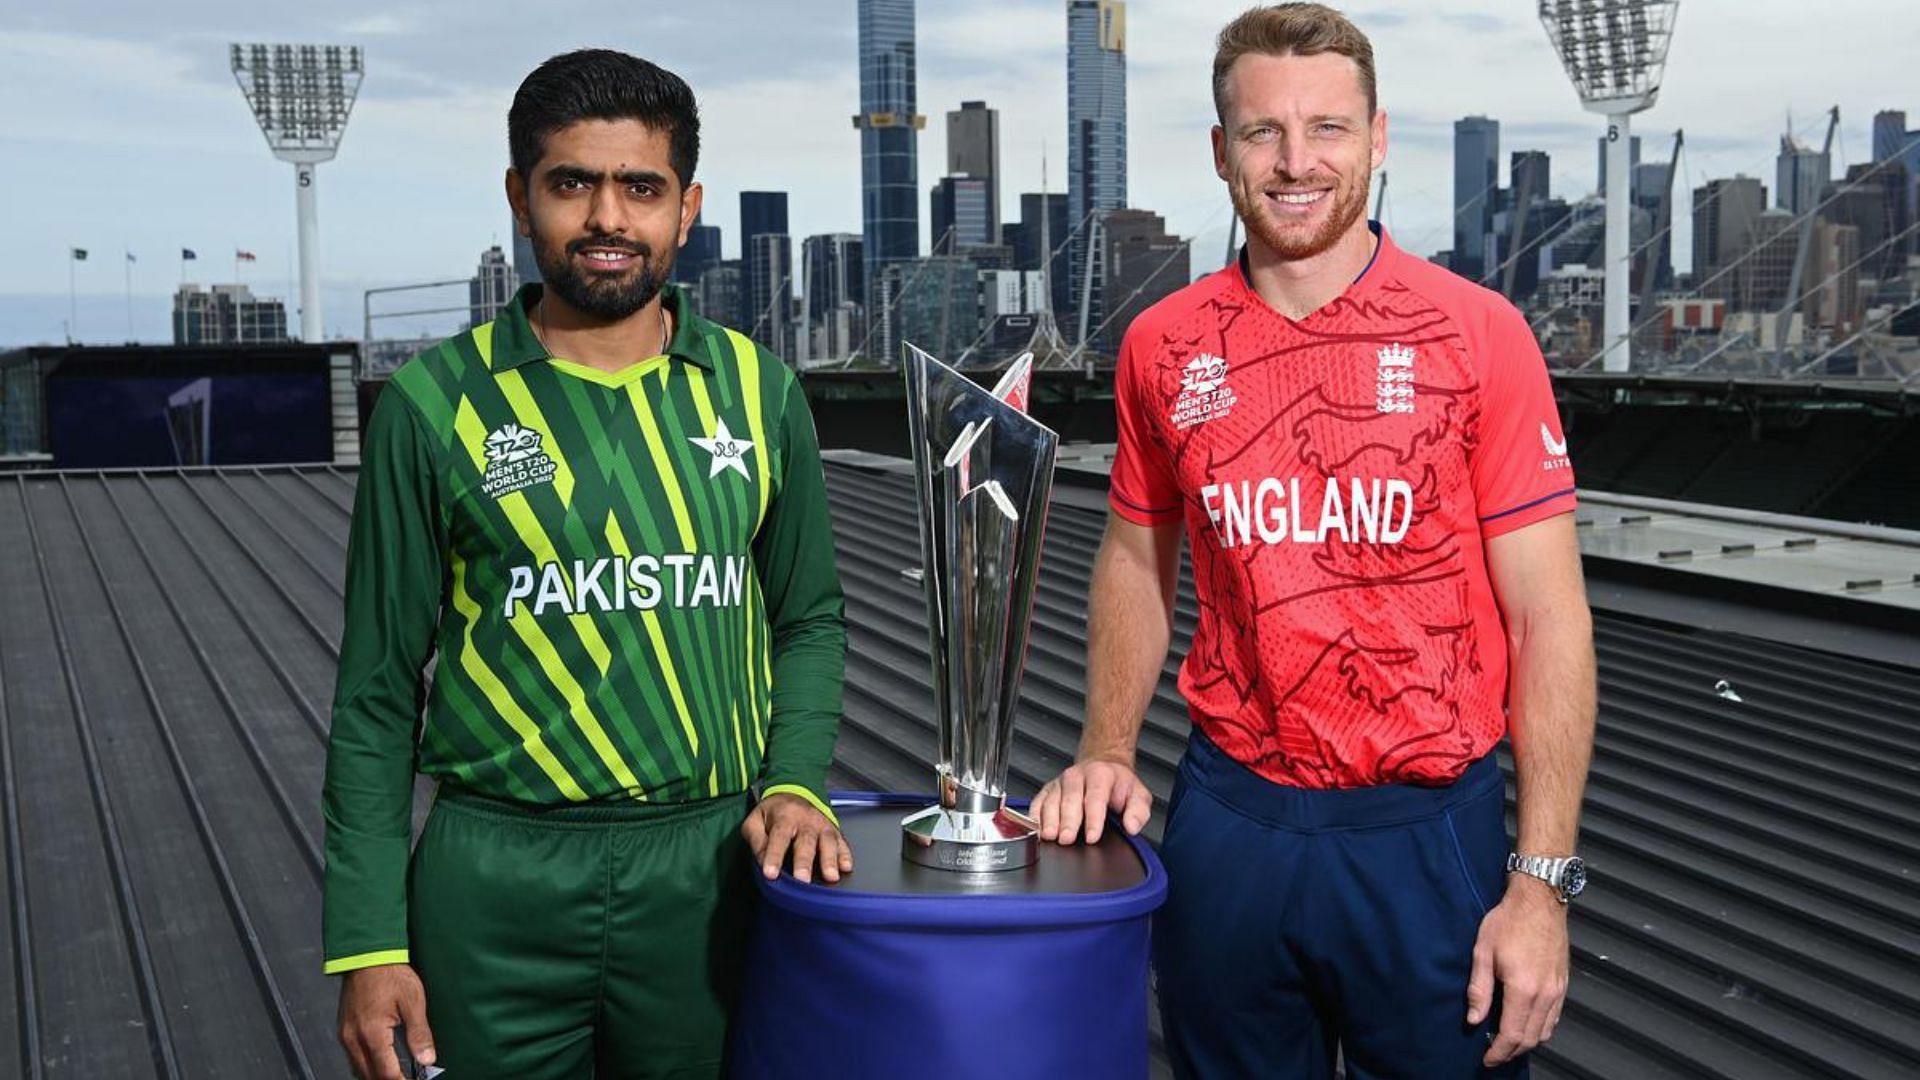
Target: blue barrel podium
906, 971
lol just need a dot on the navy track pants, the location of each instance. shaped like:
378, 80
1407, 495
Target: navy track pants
1307, 927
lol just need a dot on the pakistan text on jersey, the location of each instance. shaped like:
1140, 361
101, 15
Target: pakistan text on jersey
1371, 511
619, 583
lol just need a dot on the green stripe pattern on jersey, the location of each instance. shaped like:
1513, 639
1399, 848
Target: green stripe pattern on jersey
627, 581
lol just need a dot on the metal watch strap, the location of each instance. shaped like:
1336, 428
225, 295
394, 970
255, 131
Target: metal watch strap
1549, 869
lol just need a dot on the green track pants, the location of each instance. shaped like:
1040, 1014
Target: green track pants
580, 941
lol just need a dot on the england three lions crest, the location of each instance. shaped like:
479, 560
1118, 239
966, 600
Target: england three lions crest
1394, 393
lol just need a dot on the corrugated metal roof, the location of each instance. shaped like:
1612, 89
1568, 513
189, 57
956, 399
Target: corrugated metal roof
166, 646
1756, 905
167, 643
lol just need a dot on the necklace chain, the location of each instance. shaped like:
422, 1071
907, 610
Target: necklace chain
539, 327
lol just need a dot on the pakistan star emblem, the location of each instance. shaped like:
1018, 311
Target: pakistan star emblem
728, 452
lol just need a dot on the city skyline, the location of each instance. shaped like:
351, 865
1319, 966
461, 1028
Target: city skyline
419, 216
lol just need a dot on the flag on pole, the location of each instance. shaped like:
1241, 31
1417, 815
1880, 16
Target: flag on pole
187, 253
79, 254
130, 258
243, 256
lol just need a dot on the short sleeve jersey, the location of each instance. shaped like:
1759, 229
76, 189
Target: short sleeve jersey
1338, 477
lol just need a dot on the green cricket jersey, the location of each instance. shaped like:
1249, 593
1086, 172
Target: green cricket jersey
626, 581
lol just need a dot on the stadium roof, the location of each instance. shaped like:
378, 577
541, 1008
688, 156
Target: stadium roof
167, 643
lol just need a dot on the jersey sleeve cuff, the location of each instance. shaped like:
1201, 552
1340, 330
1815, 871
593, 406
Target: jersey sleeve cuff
1141, 515
813, 800
364, 960
1527, 513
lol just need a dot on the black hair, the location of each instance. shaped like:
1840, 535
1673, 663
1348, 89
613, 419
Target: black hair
601, 84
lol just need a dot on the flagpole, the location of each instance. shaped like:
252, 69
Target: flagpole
73, 297
129, 269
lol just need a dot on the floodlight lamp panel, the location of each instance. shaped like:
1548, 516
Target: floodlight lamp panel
301, 95
1614, 51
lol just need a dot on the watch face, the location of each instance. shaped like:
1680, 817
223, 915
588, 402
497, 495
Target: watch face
1574, 878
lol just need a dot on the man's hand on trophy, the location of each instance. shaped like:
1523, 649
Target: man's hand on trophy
1084, 793
781, 823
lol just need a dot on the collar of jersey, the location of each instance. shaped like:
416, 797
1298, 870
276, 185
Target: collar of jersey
514, 343
1244, 273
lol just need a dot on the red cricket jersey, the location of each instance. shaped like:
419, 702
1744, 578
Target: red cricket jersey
1338, 476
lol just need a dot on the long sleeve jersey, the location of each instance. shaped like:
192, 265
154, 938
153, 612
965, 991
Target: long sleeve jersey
625, 581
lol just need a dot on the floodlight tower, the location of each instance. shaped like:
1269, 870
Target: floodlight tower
1615, 52
301, 95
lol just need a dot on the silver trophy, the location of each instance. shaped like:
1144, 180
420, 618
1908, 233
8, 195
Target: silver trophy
984, 470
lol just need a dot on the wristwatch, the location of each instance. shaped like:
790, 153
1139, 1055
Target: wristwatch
1566, 873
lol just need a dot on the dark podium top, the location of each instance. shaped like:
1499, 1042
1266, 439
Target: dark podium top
871, 823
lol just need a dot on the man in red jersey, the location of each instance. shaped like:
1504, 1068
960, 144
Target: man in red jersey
1363, 453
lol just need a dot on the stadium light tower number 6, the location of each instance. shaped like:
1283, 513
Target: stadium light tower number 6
301, 96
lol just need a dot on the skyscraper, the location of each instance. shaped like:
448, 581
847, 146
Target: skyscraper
973, 149
769, 291
1889, 133
1027, 237
962, 214
1873, 200
1761, 275
701, 250
1651, 181
834, 269
1145, 264
1725, 214
719, 294
1476, 185
889, 123
766, 255
1530, 171
832, 264
932, 302
1893, 142
1096, 125
1800, 172
1521, 223
491, 287
1832, 278
761, 212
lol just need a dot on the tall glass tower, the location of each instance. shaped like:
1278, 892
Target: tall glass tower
889, 124
1476, 187
1096, 125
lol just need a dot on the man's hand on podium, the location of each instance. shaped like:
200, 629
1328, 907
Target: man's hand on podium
1084, 793
781, 823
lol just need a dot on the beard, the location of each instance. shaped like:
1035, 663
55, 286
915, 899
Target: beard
1349, 202
608, 297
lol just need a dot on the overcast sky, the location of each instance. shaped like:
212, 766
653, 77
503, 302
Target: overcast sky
123, 129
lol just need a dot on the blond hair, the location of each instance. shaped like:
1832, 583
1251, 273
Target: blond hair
1291, 30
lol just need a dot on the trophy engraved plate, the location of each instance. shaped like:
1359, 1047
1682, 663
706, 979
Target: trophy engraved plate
983, 471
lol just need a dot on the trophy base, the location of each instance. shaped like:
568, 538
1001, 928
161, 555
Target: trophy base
943, 839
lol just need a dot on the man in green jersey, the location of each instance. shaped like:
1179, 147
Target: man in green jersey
603, 517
